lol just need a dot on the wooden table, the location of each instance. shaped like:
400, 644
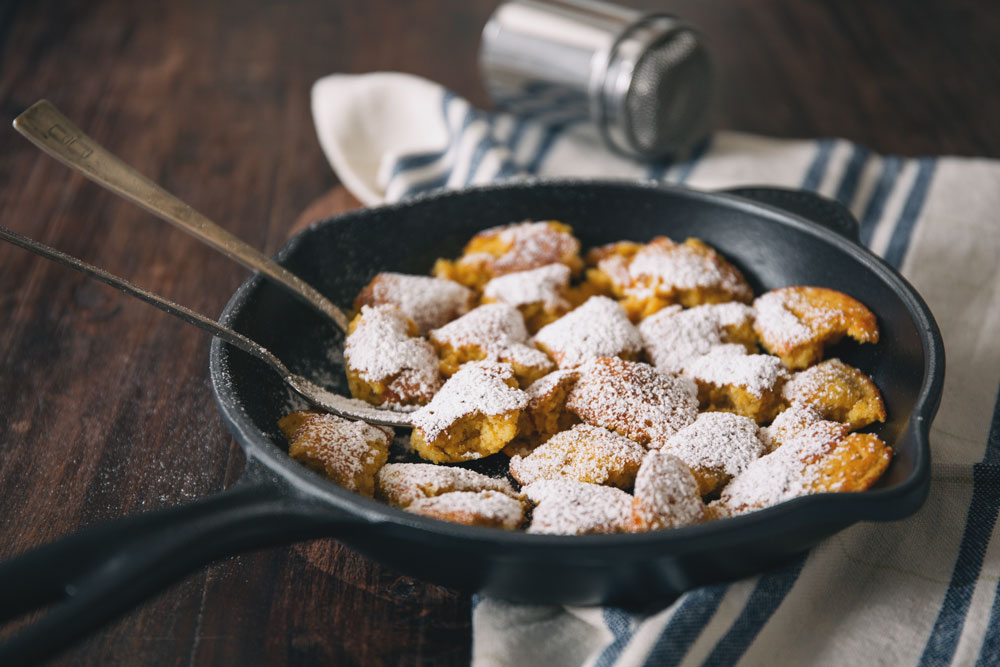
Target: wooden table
105, 403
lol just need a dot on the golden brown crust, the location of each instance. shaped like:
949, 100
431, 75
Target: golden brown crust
797, 323
429, 302
474, 415
633, 399
491, 332
839, 392
854, 464
584, 453
666, 494
291, 422
386, 361
347, 453
510, 248
488, 509
660, 273
729, 380
546, 413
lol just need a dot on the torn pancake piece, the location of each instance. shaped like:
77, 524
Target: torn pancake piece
666, 494
474, 415
568, 507
348, 453
387, 362
584, 453
797, 323
429, 302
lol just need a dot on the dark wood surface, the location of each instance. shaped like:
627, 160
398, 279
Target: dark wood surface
105, 404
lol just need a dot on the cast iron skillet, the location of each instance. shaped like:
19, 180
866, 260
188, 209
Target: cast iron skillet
101, 572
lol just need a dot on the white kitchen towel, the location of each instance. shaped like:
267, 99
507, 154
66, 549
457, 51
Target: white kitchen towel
923, 590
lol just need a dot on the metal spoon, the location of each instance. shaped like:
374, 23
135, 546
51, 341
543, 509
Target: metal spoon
321, 398
56, 134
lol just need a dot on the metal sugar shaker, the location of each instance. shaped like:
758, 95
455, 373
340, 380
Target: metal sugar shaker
644, 78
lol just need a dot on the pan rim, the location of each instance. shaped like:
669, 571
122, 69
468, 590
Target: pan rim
874, 504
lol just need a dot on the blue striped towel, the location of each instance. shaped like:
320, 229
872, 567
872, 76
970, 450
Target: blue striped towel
919, 591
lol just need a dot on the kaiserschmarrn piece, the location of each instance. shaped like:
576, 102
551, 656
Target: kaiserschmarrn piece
674, 336
401, 484
510, 248
666, 494
546, 413
840, 392
797, 323
387, 363
348, 453
608, 273
584, 453
429, 302
801, 421
856, 462
492, 332
598, 328
489, 509
811, 462
474, 414
542, 294
716, 447
569, 507
633, 399
730, 380
663, 272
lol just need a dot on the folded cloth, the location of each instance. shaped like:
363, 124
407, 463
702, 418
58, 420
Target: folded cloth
918, 591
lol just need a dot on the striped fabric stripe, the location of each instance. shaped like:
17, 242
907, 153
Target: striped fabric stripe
767, 596
620, 625
694, 612
989, 652
891, 166
979, 524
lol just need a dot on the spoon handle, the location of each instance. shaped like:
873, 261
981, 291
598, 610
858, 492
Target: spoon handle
175, 309
326, 400
46, 127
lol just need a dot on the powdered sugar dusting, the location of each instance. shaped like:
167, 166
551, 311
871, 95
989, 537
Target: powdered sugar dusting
567, 507
801, 420
547, 383
546, 285
673, 336
532, 244
477, 388
666, 493
598, 328
348, 452
718, 441
497, 329
633, 399
802, 439
403, 483
429, 302
472, 508
584, 453
776, 323
380, 349
787, 472
730, 365
669, 267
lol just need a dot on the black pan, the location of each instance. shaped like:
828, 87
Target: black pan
792, 238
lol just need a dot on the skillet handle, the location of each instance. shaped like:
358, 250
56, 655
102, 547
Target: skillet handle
98, 573
819, 209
